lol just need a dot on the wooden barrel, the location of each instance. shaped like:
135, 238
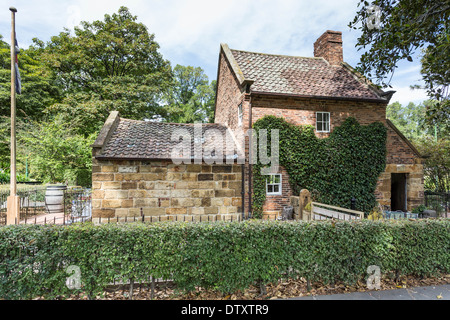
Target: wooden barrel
54, 198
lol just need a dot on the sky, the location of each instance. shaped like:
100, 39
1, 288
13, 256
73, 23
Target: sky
190, 32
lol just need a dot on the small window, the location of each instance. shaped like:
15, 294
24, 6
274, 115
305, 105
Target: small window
322, 121
273, 184
240, 115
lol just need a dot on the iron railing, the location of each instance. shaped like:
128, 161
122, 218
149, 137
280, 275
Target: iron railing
33, 208
438, 201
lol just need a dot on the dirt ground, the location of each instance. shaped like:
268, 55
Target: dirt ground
280, 290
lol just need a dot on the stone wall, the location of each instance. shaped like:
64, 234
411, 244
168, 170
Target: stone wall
161, 190
414, 184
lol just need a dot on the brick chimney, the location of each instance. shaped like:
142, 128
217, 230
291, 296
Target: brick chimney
329, 47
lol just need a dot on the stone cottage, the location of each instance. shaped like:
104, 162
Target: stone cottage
321, 91
135, 175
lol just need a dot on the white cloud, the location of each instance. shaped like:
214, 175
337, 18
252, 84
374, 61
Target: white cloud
405, 95
190, 32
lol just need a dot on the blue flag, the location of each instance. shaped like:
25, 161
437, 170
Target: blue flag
16, 67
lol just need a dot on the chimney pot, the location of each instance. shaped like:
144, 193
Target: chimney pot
329, 47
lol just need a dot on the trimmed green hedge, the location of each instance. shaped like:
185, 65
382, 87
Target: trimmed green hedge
222, 256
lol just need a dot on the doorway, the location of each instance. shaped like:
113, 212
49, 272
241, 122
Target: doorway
398, 192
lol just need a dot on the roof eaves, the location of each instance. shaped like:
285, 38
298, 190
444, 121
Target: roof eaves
367, 83
303, 96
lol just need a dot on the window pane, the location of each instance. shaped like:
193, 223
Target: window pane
277, 178
276, 188
326, 117
319, 126
270, 188
319, 116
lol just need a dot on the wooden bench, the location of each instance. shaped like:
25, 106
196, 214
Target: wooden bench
320, 211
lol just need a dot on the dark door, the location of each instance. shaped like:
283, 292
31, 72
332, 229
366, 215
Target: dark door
398, 192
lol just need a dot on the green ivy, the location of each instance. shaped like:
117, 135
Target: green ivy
347, 164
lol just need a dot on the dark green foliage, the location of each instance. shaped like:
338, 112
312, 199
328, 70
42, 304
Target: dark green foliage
222, 256
191, 97
39, 89
345, 165
106, 65
5, 178
405, 27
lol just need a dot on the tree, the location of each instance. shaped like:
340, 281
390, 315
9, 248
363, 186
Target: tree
107, 65
191, 97
437, 164
411, 120
431, 141
404, 27
39, 89
57, 153
436, 73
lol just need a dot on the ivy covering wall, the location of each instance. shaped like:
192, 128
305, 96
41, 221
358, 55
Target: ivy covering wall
336, 169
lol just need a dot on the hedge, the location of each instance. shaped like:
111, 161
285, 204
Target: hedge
225, 256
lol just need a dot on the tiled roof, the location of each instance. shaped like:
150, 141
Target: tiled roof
302, 76
140, 140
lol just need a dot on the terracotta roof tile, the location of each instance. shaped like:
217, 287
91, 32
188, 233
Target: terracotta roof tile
136, 140
300, 76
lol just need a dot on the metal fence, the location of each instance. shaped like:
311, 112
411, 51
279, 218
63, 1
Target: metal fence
438, 201
34, 209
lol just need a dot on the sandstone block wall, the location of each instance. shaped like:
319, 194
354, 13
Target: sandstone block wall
414, 184
161, 190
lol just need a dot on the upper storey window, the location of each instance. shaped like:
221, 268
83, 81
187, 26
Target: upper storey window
322, 121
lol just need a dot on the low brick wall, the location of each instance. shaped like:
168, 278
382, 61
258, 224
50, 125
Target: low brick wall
161, 190
274, 204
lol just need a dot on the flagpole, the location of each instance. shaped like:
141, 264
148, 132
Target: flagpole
13, 200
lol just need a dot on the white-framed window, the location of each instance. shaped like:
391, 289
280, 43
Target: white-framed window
273, 184
240, 115
322, 121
